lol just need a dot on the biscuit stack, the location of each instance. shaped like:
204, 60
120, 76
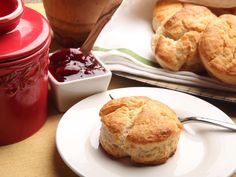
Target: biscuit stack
192, 38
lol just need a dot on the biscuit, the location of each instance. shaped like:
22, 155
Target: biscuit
138, 127
217, 48
163, 11
175, 43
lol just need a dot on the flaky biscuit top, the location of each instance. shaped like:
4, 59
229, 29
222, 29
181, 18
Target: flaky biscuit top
164, 10
144, 120
218, 45
177, 34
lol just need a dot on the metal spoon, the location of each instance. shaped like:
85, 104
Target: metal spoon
196, 119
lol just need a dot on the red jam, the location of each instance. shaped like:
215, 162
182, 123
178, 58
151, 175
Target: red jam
71, 64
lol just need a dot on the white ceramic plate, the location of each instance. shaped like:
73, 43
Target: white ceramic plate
203, 150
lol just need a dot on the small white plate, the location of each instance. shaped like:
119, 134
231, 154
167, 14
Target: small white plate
203, 150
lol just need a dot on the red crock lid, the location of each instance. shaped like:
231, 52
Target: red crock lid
29, 36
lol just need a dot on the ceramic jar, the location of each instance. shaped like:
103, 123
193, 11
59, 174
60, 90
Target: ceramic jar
24, 77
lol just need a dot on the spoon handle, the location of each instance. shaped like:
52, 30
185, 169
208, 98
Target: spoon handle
209, 121
103, 19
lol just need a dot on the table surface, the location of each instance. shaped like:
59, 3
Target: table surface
37, 155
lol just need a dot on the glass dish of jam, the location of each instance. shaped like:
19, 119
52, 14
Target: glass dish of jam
74, 76
71, 64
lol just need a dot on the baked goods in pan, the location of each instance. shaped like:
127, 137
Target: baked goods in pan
177, 34
141, 128
217, 48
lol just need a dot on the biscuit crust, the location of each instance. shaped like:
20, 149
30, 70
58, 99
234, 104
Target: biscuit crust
175, 43
143, 129
163, 11
217, 49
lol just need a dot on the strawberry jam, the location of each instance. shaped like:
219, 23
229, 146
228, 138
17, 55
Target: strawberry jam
71, 64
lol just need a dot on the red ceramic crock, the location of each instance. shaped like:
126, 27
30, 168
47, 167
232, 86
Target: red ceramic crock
24, 77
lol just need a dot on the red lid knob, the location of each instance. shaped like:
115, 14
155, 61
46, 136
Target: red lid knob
10, 14
30, 35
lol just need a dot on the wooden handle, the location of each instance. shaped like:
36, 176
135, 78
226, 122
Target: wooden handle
102, 21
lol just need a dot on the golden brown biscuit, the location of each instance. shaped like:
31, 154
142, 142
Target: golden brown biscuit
176, 40
138, 127
163, 11
217, 48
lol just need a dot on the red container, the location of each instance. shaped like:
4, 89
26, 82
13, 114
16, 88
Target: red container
24, 77
10, 13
